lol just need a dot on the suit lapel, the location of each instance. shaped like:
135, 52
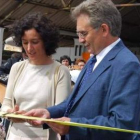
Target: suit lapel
93, 77
100, 69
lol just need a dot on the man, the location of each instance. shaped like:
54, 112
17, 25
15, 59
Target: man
15, 57
111, 94
6, 67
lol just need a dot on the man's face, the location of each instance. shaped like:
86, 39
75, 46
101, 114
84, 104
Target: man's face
90, 37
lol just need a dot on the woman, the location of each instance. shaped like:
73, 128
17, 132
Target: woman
65, 60
38, 82
80, 63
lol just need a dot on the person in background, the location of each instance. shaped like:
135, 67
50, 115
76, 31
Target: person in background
79, 65
80, 62
39, 81
107, 92
65, 60
74, 76
6, 67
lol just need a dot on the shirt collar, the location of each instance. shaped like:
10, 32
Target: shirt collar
104, 52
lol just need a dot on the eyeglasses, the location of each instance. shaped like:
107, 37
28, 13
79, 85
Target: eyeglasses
83, 34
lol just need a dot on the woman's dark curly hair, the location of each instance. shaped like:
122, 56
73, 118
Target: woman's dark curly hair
47, 30
65, 57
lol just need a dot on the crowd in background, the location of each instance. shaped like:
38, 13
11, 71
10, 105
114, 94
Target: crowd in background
74, 67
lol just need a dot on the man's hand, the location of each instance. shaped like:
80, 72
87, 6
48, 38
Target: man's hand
58, 128
42, 113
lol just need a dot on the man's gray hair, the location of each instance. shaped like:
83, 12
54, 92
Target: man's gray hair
99, 12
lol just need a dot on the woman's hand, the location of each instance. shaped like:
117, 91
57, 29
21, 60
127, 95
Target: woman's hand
16, 111
16, 108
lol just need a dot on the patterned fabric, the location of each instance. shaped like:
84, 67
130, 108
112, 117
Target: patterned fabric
89, 70
2, 132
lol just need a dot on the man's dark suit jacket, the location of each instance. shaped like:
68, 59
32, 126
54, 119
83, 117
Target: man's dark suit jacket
111, 97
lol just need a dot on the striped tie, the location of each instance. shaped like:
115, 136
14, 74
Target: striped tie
89, 70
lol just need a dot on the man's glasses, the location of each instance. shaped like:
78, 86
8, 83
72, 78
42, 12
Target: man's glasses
83, 34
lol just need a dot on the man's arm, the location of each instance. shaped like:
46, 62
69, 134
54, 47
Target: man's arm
51, 112
123, 109
123, 105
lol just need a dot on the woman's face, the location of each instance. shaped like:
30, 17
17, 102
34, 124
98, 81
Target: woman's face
34, 46
81, 65
65, 62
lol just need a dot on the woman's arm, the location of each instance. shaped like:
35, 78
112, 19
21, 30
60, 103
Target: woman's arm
7, 102
63, 88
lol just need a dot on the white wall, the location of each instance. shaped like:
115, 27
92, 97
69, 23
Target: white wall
70, 51
64, 51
